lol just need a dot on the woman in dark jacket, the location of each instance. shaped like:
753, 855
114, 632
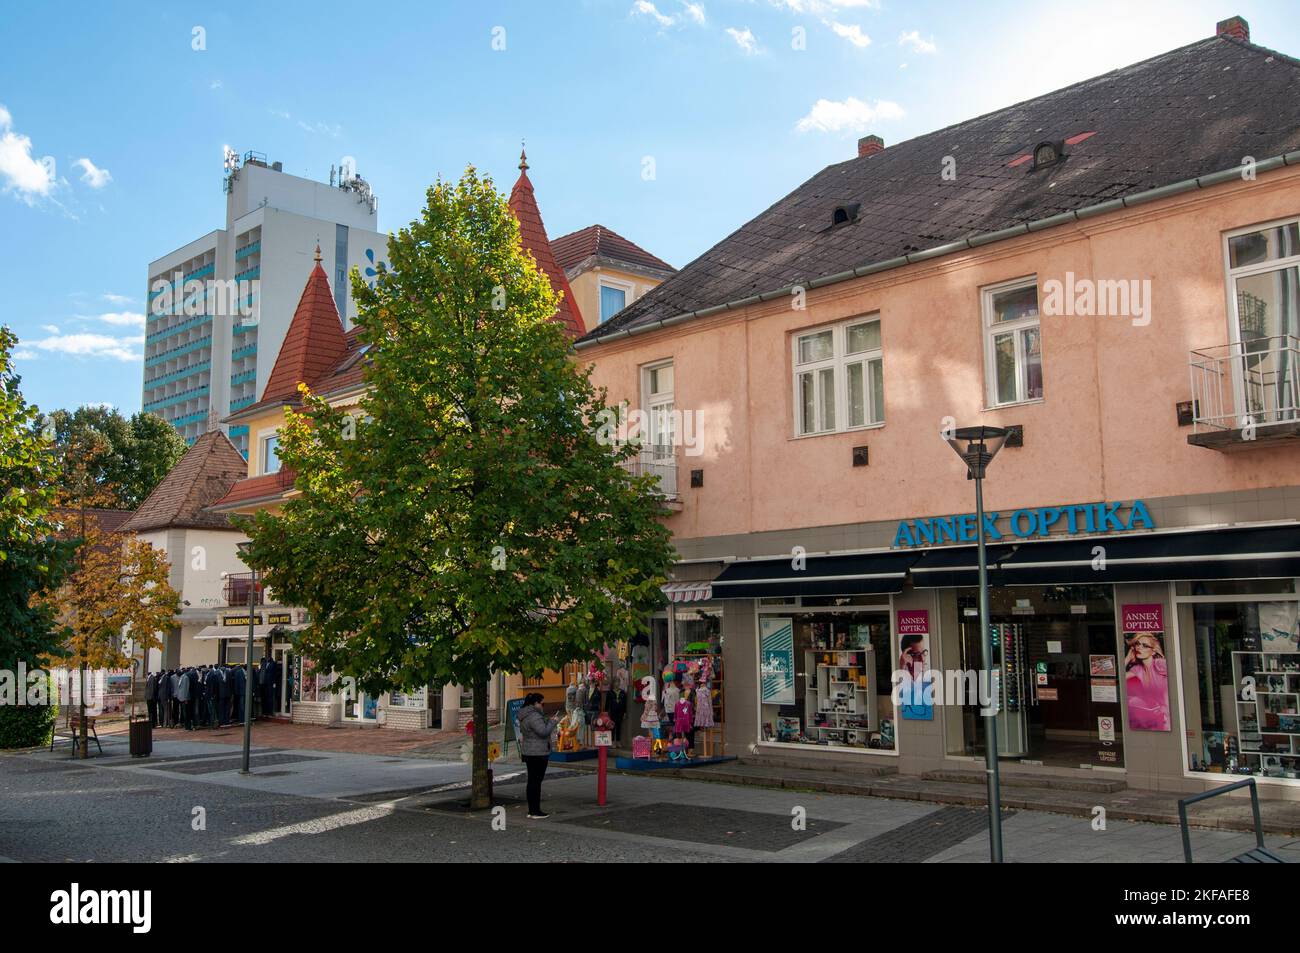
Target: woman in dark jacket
535, 748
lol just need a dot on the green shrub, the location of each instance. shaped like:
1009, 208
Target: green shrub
27, 726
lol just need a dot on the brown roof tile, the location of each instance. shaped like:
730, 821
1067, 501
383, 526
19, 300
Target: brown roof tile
313, 345
202, 476
597, 241
532, 235
268, 486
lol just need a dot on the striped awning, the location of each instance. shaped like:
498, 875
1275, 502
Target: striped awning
688, 591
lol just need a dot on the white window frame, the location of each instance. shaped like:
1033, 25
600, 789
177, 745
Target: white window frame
1247, 271
839, 363
651, 401
264, 437
993, 329
627, 287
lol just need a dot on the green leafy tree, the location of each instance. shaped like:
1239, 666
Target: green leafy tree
131, 455
33, 562
469, 519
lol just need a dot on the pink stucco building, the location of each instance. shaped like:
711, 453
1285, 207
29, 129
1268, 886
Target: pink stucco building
1112, 269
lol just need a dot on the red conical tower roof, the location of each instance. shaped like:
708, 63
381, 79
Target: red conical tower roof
314, 343
532, 235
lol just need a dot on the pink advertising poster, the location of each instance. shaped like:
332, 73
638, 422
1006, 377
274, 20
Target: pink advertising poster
1146, 673
914, 664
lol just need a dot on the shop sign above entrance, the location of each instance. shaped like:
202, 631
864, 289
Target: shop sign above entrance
1040, 521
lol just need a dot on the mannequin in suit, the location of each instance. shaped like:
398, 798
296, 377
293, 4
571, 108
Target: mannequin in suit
151, 697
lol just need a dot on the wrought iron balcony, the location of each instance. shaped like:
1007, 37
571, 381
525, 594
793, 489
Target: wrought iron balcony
657, 461
239, 586
1246, 394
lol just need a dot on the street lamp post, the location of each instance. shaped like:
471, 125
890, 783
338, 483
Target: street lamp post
977, 446
248, 665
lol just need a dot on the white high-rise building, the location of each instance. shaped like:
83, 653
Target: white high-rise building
203, 340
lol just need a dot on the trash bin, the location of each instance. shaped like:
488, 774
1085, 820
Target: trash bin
141, 737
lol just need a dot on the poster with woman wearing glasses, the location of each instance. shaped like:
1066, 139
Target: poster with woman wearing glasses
1146, 673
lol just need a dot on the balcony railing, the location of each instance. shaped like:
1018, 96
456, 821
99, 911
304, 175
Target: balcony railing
239, 586
657, 461
1246, 386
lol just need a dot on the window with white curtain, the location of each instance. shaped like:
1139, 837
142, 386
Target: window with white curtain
839, 378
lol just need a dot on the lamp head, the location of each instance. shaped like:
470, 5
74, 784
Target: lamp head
977, 446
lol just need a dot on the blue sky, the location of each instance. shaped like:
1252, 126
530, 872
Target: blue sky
717, 94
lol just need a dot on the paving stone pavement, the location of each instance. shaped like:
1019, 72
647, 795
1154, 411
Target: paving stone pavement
344, 806
920, 839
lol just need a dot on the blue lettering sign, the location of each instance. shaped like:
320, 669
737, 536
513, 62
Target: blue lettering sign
1026, 523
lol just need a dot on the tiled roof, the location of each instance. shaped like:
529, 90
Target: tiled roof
532, 235
268, 486
1186, 113
313, 345
597, 241
350, 370
106, 520
202, 476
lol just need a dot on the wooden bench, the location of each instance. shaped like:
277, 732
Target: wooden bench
1259, 854
72, 731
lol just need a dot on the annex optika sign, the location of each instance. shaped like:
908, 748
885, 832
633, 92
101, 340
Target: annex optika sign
1085, 518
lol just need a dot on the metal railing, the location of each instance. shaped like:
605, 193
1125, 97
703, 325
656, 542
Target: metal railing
656, 461
1253, 382
239, 586
1205, 796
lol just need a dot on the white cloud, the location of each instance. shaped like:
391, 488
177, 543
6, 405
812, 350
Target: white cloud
50, 328
745, 39
694, 11
19, 172
329, 129
851, 32
851, 115
215, 84
916, 44
117, 299
91, 345
92, 175
646, 8
122, 319
824, 6
21, 354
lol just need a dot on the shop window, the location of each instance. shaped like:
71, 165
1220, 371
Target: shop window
824, 679
1057, 675
1244, 715
839, 378
1013, 360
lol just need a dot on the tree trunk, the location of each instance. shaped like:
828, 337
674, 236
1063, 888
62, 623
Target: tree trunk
83, 742
481, 795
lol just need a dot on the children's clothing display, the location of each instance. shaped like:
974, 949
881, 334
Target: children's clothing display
703, 707
671, 697
684, 719
650, 716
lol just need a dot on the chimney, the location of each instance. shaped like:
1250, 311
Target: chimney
1235, 27
870, 145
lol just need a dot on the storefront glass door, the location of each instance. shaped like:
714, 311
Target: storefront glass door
1056, 673
358, 706
283, 654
